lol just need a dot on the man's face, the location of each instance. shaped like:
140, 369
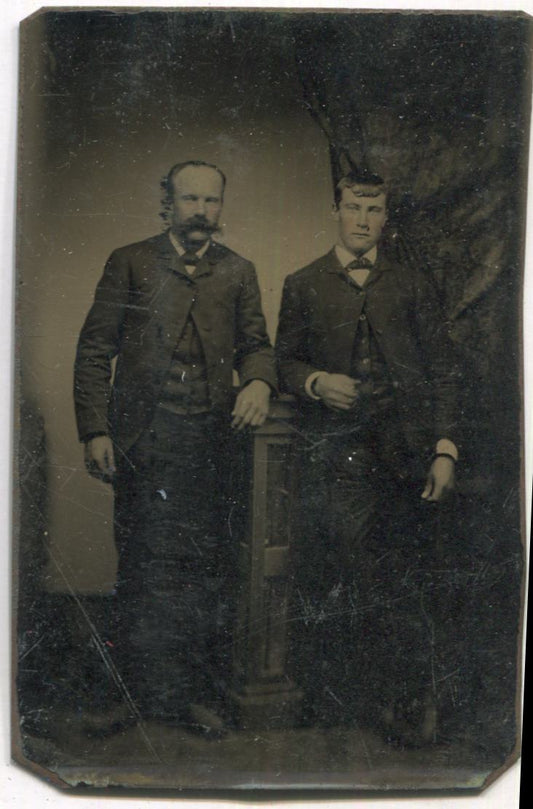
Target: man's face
197, 204
361, 218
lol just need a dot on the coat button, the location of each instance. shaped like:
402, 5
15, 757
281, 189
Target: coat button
362, 317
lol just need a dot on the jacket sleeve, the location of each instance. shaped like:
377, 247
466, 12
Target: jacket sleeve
292, 351
254, 355
441, 358
98, 344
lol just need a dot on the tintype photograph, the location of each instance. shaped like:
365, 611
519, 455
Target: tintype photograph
269, 496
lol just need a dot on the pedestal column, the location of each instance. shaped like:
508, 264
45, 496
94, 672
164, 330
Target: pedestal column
264, 694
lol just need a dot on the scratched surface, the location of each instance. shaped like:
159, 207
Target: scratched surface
110, 101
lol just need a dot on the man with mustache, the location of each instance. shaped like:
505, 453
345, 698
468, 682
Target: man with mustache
362, 345
179, 312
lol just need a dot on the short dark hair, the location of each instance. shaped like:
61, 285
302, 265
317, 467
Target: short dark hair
374, 184
167, 185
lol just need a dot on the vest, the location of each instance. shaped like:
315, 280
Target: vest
185, 389
368, 365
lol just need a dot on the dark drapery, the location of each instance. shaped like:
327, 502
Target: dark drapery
439, 104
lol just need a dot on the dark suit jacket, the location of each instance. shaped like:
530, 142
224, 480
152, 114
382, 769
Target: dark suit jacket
141, 306
317, 325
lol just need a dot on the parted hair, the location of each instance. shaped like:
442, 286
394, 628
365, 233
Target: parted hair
373, 184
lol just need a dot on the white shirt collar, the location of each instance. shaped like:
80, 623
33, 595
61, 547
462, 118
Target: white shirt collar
345, 257
181, 250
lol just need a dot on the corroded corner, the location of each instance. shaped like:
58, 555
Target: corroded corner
109, 100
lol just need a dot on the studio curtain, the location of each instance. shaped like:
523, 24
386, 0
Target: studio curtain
439, 106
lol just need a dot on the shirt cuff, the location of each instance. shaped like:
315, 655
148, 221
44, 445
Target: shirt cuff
309, 384
447, 447
89, 436
273, 390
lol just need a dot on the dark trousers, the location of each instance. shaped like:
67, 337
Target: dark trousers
363, 564
177, 569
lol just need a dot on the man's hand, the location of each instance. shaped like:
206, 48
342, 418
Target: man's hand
337, 390
440, 480
251, 405
99, 458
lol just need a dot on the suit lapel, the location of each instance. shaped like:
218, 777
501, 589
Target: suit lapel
386, 300
176, 290
331, 264
208, 261
169, 260
342, 304
340, 307
381, 266
173, 296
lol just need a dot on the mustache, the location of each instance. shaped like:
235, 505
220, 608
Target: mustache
197, 222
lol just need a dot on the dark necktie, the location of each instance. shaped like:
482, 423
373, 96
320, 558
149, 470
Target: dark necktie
359, 270
190, 260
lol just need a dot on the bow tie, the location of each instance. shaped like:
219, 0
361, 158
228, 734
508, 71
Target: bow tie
190, 258
360, 263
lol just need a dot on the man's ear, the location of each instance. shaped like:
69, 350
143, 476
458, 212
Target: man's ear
335, 211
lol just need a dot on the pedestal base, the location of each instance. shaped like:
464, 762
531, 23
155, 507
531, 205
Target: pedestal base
267, 707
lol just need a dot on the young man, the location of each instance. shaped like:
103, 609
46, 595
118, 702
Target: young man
361, 343
178, 312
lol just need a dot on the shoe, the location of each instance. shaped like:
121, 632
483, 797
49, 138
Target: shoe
204, 721
410, 724
106, 723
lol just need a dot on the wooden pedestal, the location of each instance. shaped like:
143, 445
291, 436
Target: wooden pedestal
264, 695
